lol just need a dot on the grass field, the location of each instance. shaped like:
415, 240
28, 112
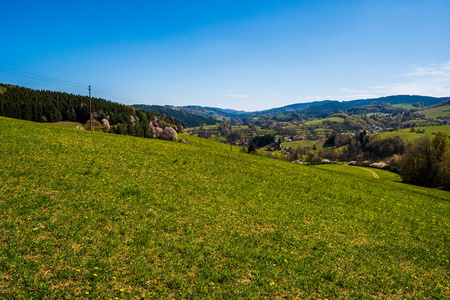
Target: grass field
434, 113
201, 142
359, 172
86, 215
302, 144
404, 105
331, 119
71, 125
412, 136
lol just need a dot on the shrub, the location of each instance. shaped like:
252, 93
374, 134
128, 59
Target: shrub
251, 148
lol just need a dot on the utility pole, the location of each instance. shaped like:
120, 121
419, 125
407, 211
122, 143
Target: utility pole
90, 109
231, 146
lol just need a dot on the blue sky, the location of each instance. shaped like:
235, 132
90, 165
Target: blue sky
246, 55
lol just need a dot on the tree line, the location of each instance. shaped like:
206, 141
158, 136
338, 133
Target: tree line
425, 162
187, 119
49, 106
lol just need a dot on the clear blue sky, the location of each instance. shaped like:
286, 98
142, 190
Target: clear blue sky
246, 55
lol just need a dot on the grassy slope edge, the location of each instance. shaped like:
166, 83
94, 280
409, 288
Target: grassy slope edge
85, 214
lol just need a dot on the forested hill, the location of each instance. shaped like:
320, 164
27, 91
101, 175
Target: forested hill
187, 119
322, 109
48, 106
327, 109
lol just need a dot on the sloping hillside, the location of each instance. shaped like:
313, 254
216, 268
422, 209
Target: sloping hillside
412, 134
440, 112
91, 215
185, 118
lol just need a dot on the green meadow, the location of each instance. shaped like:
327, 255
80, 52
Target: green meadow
301, 144
331, 119
68, 124
434, 113
359, 172
404, 105
87, 215
412, 136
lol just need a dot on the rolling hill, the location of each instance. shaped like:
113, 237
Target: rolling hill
319, 109
418, 132
440, 112
94, 215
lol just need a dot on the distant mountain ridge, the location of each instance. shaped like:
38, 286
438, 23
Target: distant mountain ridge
292, 107
317, 108
213, 112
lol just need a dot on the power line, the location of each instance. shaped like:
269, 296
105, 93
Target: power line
114, 95
127, 100
43, 78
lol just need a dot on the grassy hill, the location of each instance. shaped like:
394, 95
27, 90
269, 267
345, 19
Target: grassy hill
418, 133
359, 171
331, 119
404, 105
93, 215
434, 113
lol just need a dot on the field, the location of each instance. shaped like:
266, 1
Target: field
331, 119
301, 144
359, 171
404, 105
206, 143
379, 114
412, 136
72, 125
434, 113
86, 215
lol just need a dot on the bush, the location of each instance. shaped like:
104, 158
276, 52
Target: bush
444, 171
251, 148
426, 162
96, 125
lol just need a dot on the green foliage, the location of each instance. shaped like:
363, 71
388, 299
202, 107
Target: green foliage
424, 163
444, 171
96, 125
263, 140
